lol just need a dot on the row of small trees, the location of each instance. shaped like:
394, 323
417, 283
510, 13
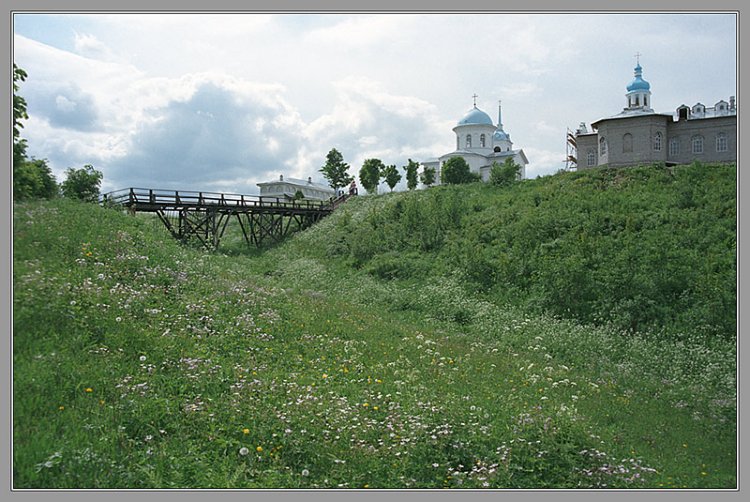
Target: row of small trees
336, 171
33, 178
455, 171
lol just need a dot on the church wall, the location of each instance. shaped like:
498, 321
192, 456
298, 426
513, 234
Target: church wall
584, 144
685, 130
630, 140
475, 131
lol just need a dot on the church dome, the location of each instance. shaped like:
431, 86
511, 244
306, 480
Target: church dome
475, 116
638, 84
501, 135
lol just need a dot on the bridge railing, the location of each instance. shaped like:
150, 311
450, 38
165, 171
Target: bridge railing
160, 197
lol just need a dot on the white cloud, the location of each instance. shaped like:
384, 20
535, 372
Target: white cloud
253, 95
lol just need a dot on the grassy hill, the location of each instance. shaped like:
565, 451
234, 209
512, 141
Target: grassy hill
571, 331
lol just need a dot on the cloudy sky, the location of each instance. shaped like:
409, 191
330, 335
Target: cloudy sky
223, 101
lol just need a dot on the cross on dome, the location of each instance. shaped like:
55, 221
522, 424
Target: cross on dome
475, 99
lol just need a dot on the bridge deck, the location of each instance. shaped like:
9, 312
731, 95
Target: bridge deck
204, 215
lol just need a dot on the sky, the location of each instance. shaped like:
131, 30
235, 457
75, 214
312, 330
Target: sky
222, 101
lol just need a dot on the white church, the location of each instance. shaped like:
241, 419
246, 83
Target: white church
481, 143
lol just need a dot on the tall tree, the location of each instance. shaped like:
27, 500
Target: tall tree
82, 184
428, 176
32, 178
335, 170
457, 171
369, 174
19, 113
391, 176
412, 179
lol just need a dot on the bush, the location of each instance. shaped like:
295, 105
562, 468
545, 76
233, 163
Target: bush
504, 174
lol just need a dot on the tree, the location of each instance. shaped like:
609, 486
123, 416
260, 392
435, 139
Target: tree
428, 176
391, 176
456, 171
412, 179
504, 174
369, 174
19, 104
298, 195
82, 184
19, 113
335, 170
34, 179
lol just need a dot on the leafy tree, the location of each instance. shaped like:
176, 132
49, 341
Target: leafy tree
82, 183
298, 195
428, 176
391, 176
412, 179
504, 174
19, 113
335, 170
456, 171
34, 179
369, 174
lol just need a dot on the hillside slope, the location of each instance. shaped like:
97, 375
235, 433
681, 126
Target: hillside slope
642, 249
354, 355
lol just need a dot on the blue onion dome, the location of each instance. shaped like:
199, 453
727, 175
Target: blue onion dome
501, 135
475, 116
638, 84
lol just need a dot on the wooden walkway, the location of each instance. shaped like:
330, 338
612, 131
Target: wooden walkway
204, 216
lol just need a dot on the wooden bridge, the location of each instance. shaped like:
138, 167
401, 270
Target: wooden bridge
204, 216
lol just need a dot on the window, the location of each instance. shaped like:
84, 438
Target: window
458, 143
468, 141
637, 101
645, 100
627, 143
674, 147
481, 140
721, 142
602, 146
697, 142
591, 158
657, 142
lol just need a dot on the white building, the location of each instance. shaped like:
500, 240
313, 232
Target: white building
481, 143
286, 188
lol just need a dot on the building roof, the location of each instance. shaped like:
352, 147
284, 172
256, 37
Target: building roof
299, 183
475, 116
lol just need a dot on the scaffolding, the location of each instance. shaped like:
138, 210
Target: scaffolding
571, 160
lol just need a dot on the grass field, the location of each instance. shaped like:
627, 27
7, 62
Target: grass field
374, 352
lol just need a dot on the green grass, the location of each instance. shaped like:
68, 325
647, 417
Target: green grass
140, 363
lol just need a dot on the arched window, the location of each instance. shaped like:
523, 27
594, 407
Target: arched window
602, 146
468, 141
481, 140
645, 100
637, 101
458, 142
721, 142
627, 143
697, 143
657, 142
591, 158
674, 147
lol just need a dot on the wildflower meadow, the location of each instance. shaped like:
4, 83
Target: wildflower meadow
402, 342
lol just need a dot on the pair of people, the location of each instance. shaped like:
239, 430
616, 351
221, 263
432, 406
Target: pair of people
353, 188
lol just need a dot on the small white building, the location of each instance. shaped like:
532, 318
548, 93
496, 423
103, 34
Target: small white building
285, 188
481, 143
